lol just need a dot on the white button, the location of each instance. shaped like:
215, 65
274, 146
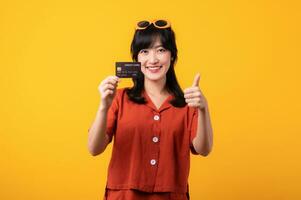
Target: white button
156, 117
153, 162
155, 139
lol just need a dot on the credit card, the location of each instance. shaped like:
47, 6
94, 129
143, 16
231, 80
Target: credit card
127, 69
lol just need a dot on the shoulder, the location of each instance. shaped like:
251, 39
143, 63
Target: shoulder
191, 111
120, 94
121, 91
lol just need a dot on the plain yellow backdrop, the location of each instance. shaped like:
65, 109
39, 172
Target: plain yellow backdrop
54, 54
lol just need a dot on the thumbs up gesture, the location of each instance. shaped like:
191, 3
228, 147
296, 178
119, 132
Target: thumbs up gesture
194, 96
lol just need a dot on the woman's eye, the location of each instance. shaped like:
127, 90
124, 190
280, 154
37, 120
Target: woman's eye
143, 51
162, 50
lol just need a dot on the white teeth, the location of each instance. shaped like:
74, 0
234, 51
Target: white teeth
154, 67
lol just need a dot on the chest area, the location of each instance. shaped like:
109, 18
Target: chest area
142, 118
157, 101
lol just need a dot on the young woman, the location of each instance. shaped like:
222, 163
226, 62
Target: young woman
155, 125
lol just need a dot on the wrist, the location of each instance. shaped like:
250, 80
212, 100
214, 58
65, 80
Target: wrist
203, 108
103, 108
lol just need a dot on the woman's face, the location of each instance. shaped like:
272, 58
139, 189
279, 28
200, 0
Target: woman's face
155, 61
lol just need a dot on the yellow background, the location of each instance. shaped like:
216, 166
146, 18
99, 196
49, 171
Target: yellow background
53, 55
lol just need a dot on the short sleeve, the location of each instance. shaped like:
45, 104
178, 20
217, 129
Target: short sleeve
112, 118
193, 129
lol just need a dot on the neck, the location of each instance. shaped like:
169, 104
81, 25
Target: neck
155, 88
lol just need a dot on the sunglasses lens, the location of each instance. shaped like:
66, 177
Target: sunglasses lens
161, 23
143, 24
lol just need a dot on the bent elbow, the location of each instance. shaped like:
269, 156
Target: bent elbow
204, 152
95, 152
92, 152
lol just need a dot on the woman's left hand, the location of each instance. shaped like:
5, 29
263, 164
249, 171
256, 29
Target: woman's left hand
194, 96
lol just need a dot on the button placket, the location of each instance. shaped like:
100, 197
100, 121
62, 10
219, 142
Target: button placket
156, 117
155, 139
153, 162
155, 148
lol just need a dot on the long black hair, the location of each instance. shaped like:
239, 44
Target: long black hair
144, 39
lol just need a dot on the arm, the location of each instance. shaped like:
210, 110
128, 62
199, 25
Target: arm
194, 97
98, 139
203, 141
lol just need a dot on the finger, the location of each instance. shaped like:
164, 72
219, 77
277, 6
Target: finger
193, 100
107, 92
193, 94
195, 90
109, 86
191, 89
194, 104
112, 84
188, 95
105, 85
109, 81
112, 80
196, 80
115, 78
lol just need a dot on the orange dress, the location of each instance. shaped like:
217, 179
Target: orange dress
139, 195
151, 150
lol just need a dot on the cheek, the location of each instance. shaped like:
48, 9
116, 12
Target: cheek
166, 59
142, 61
143, 69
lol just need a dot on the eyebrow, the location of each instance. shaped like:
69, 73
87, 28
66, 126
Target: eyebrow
158, 46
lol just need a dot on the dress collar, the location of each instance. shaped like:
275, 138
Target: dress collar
165, 105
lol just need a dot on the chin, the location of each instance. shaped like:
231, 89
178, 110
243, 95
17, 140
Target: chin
154, 78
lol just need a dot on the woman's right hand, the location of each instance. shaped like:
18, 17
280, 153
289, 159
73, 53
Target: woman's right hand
107, 89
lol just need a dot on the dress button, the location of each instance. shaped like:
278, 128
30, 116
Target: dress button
155, 139
156, 117
153, 162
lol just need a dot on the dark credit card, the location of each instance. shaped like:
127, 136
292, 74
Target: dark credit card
127, 69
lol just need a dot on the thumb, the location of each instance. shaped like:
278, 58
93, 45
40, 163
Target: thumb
196, 80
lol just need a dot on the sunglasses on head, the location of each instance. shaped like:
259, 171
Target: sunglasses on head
160, 23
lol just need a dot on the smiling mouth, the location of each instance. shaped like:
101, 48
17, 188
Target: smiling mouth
155, 67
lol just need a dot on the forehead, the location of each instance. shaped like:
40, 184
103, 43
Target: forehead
156, 43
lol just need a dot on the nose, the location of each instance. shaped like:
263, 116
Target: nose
153, 58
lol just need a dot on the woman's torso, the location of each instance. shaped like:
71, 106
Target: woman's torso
151, 150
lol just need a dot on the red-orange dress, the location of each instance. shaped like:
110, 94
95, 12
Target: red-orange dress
139, 195
151, 149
